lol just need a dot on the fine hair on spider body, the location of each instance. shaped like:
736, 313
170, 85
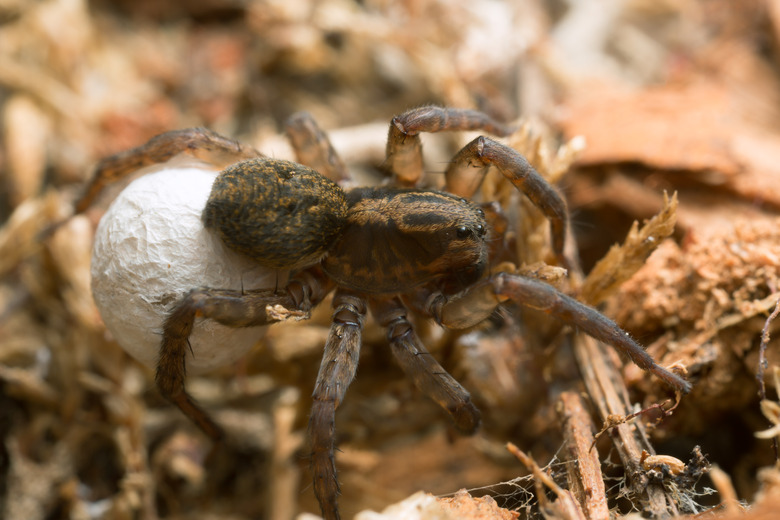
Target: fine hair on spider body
389, 250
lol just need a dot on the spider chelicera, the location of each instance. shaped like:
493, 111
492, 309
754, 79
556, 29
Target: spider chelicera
387, 249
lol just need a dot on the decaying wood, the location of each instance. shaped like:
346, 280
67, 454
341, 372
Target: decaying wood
583, 466
609, 395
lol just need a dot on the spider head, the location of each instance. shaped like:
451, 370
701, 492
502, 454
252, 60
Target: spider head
464, 256
396, 240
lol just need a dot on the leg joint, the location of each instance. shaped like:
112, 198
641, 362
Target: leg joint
347, 315
398, 328
348, 309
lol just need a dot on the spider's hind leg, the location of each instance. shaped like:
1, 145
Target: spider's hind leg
313, 148
337, 370
200, 143
232, 308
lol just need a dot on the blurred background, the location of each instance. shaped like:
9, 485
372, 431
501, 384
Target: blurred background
669, 95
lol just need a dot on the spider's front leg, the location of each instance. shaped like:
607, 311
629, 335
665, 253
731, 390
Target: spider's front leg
337, 370
233, 309
482, 298
404, 148
422, 368
483, 152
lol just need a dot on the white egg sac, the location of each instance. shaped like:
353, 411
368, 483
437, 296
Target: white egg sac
151, 249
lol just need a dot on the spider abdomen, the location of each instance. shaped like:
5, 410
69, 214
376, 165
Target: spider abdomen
397, 239
279, 213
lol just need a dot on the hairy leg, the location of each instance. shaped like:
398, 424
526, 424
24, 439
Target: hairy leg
404, 149
421, 367
313, 148
483, 152
337, 370
231, 308
481, 299
200, 143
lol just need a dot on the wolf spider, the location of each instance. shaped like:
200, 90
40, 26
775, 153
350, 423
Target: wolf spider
390, 249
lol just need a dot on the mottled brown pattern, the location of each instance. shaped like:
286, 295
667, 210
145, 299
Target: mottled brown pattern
282, 214
398, 239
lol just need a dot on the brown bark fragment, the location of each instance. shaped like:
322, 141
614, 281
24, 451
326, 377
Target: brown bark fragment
584, 468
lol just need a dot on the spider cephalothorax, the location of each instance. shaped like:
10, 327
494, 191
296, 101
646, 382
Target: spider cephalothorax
407, 238
379, 249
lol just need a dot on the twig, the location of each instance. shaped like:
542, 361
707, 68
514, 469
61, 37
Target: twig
762, 366
725, 488
566, 507
284, 467
584, 468
608, 393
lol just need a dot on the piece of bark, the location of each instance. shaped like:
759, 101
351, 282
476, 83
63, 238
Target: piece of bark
608, 393
583, 468
675, 127
699, 130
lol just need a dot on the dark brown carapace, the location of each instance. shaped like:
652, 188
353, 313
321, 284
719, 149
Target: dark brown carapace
408, 238
379, 249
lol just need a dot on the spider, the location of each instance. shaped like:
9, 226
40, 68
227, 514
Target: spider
390, 250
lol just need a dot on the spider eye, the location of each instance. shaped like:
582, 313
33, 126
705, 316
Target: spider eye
462, 232
481, 230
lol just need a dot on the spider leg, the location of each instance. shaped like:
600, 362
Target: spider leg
339, 363
483, 152
421, 367
481, 299
228, 307
313, 148
200, 143
404, 148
